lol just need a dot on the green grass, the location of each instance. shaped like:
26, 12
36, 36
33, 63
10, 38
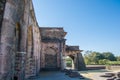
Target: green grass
113, 62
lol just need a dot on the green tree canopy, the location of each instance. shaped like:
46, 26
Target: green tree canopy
118, 58
109, 56
92, 57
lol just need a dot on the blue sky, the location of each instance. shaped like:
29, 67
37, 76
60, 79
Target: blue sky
91, 24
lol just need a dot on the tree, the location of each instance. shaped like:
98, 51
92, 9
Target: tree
118, 58
95, 57
87, 57
109, 56
92, 57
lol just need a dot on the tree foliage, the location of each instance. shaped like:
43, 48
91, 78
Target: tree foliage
92, 57
109, 56
104, 61
118, 58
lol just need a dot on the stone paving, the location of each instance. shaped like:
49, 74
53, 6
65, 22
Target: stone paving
55, 75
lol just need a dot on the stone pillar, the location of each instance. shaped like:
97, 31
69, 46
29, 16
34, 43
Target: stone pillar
7, 42
76, 62
80, 62
63, 63
73, 66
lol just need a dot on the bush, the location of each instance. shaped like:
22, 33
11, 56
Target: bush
103, 61
69, 62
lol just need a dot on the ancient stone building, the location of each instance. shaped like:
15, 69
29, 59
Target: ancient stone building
52, 47
18, 47
26, 48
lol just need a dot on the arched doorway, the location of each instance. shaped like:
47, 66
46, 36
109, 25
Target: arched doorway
29, 42
30, 60
15, 78
70, 62
50, 59
17, 49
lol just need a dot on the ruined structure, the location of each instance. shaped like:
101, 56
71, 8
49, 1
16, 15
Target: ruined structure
19, 50
75, 53
25, 49
52, 47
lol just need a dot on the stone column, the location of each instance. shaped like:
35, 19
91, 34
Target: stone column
76, 62
81, 63
63, 63
73, 67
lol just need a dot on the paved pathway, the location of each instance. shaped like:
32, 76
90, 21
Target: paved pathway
55, 76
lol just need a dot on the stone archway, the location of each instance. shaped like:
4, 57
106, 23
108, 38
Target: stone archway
74, 61
30, 59
29, 42
69, 62
77, 61
75, 53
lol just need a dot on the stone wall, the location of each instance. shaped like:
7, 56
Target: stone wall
33, 51
32, 60
11, 16
36, 47
29, 56
46, 48
18, 16
52, 47
52, 32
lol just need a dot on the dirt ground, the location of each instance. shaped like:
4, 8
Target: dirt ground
88, 74
95, 74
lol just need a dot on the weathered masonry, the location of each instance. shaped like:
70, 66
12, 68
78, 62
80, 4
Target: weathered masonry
19, 49
75, 53
52, 47
26, 48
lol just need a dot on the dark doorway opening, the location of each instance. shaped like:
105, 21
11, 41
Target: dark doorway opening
15, 78
50, 61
